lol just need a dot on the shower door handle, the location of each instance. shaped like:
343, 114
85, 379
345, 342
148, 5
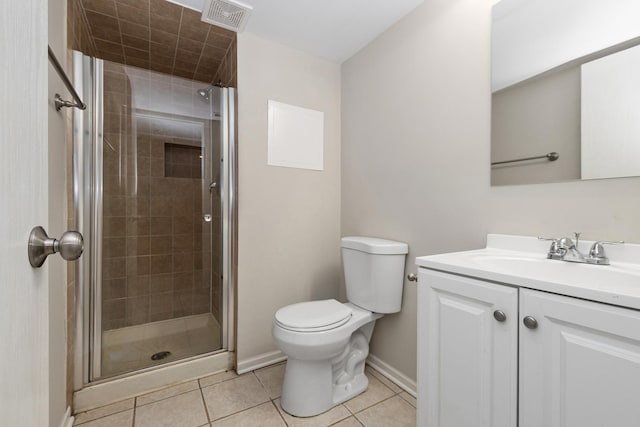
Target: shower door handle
70, 246
215, 186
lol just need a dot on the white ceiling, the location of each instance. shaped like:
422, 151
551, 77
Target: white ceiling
330, 29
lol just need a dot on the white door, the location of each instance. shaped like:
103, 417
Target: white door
24, 328
467, 359
580, 367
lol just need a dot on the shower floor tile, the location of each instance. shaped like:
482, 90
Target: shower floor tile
129, 349
251, 399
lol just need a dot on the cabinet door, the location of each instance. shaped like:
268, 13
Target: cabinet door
581, 366
467, 360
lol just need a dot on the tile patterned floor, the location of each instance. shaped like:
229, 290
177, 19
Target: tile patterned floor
250, 400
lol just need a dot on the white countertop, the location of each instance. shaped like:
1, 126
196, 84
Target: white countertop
522, 261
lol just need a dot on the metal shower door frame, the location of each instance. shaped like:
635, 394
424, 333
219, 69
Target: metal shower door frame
229, 215
87, 194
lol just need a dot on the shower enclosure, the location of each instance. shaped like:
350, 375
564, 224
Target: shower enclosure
153, 190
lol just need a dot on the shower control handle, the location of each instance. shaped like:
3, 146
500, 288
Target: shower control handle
70, 246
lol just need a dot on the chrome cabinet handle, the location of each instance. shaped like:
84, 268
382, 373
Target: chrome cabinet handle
70, 246
499, 315
530, 322
412, 277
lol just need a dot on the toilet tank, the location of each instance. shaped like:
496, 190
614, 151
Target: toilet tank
374, 272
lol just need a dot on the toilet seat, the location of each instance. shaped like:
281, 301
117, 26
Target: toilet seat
313, 316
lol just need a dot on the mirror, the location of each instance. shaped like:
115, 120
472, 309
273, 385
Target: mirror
565, 90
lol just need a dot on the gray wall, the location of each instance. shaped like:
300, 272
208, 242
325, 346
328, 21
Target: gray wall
289, 219
416, 114
535, 118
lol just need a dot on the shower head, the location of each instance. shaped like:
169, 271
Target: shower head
205, 92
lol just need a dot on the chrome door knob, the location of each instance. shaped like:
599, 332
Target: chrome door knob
530, 322
499, 315
70, 246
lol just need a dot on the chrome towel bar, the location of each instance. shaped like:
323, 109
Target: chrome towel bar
59, 102
552, 157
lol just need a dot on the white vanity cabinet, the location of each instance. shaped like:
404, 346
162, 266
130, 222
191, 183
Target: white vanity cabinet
576, 363
467, 360
581, 366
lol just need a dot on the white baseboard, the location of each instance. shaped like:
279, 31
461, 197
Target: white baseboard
395, 376
67, 419
260, 361
110, 391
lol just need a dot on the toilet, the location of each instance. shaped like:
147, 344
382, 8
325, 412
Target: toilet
327, 342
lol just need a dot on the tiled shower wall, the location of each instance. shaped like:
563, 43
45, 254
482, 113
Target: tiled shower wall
227, 72
78, 32
157, 258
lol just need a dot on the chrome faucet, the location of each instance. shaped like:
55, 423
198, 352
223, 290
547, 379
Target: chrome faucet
565, 249
572, 253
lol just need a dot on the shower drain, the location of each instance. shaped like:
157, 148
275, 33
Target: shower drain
160, 355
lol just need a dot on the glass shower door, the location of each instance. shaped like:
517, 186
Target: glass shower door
159, 202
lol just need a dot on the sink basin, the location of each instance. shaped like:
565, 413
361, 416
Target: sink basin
521, 261
579, 274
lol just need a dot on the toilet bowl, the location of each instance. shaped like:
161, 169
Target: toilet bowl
325, 367
327, 342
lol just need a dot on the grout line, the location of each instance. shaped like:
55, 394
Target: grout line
344, 419
164, 398
206, 410
412, 405
211, 385
273, 402
149, 44
133, 418
237, 412
240, 411
204, 45
262, 384
107, 415
375, 404
358, 421
175, 51
350, 411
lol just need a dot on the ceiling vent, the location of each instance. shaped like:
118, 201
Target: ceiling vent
227, 14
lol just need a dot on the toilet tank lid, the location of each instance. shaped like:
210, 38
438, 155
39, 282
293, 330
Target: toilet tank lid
373, 245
